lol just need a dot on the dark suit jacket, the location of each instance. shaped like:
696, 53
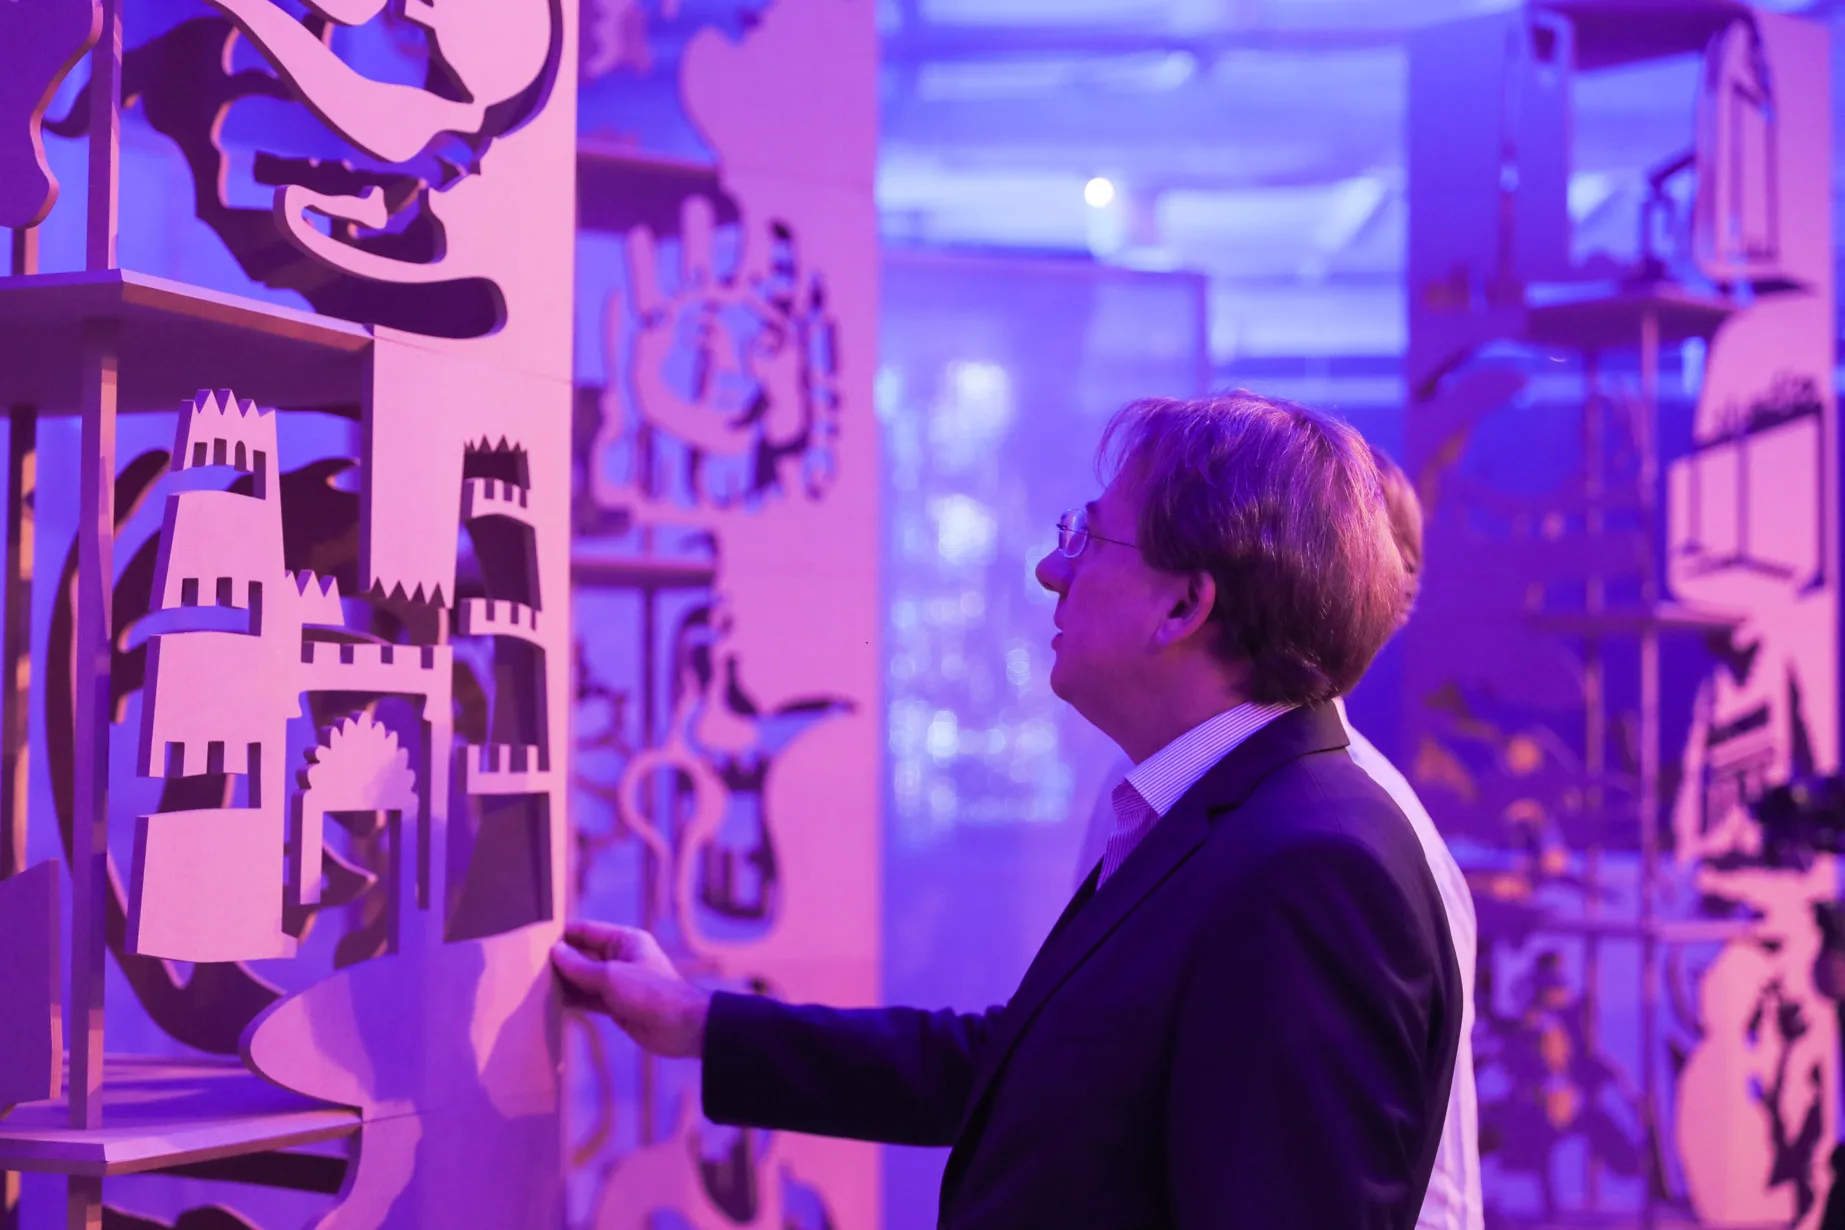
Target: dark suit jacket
1252, 1024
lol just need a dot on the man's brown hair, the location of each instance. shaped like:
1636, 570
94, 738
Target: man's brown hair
1284, 508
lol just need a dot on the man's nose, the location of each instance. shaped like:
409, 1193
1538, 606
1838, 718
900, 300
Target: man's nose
1053, 572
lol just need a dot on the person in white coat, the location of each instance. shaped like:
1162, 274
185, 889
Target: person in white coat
1453, 1198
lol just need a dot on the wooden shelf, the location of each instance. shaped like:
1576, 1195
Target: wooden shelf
166, 1112
601, 565
1631, 621
175, 340
1607, 316
1671, 931
1614, 32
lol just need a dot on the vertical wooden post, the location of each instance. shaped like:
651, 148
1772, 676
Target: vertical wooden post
16, 627
1648, 431
1595, 729
95, 587
90, 843
13, 670
16, 638
656, 816
85, 1202
105, 142
25, 251
15, 649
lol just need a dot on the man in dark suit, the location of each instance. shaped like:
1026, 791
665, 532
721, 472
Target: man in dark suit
1248, 1015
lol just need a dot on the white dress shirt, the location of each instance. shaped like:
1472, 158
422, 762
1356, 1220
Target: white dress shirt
1154, 786
1116, 824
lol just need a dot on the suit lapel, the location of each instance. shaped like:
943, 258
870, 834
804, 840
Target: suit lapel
1086, 925
1083, 894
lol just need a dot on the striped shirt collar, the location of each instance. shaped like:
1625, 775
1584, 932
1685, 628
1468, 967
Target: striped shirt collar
1163, 778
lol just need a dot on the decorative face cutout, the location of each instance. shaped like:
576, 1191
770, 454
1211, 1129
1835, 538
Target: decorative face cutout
40, 42
420, 243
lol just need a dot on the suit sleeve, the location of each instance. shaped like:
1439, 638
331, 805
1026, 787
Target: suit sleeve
1299, 1091
892, 1075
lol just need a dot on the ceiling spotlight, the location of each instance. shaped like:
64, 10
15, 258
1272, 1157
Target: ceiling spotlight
1098, 192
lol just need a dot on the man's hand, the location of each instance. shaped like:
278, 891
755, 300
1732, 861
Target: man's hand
621, 971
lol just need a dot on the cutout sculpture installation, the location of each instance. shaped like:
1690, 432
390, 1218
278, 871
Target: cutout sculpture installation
1616, 800
728, 693
345, 711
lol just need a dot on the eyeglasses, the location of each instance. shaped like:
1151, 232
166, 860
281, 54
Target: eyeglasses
1073, 534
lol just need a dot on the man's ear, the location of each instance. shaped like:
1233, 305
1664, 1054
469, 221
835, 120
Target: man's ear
1191, 609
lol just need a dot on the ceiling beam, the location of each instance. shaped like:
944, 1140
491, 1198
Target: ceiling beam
931, 42
1194, 130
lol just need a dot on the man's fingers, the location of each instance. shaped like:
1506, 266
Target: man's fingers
658, 1010
622, 946
587, 932
628, 944
582, 972
604, 941
631, 945
609, 985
